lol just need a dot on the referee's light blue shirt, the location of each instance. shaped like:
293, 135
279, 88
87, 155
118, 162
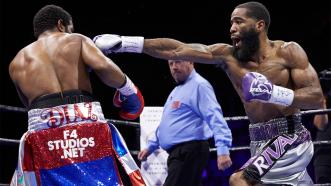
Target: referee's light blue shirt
192, 112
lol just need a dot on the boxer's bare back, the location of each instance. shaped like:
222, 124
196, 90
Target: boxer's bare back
57, 62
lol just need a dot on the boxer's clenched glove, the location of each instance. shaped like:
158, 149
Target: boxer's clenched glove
257, 87
110, 43
130, 100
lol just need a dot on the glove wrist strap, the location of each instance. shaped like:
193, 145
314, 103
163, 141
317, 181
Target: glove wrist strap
128, 88
281, 96
132, 44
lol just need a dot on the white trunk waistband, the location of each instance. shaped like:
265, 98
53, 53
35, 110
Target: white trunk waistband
63, 115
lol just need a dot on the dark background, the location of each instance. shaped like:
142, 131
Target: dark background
208, 22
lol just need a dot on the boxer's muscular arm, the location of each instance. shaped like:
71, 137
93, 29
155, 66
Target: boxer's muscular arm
321, 120
14, 71
105, 68
166, 48
307, 89
127, 96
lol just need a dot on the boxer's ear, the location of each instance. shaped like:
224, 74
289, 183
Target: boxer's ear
260, 26
60, 25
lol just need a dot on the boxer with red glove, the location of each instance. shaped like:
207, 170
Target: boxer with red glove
128, 97
130, 100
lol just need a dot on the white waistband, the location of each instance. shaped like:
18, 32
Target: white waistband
65, 115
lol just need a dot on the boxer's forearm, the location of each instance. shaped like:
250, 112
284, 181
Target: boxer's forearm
321, 120
171, 49
164, 48
308, 98
161, 48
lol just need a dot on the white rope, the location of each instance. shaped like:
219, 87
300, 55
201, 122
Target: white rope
236, 118
11, 108
318, 111
5, 140
136, 124
121, 122
307, 112
324, 184
325, 142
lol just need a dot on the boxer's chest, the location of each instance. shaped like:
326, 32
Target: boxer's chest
274, 68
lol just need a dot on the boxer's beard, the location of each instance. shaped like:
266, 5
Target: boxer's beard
249, 45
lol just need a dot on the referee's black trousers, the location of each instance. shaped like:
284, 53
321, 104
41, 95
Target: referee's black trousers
186, 162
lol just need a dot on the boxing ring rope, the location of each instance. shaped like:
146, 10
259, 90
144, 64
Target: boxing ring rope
234, 118
136, 124
7, 108
307, 112
135, 152
5, 140
121, 122
12, 109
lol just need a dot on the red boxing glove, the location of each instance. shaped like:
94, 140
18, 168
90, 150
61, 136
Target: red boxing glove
130, 100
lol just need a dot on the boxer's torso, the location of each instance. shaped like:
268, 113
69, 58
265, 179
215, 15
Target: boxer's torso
276, 68
51, 64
